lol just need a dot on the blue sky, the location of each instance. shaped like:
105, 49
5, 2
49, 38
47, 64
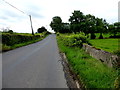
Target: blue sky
42, 12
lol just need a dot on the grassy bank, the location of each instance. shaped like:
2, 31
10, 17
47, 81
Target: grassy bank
92, 72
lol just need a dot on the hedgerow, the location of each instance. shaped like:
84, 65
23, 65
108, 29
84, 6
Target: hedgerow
11, 39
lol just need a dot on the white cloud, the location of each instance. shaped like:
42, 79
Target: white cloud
42, 12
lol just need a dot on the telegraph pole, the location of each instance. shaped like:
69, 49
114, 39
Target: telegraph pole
31, 25
23, 13
119, 11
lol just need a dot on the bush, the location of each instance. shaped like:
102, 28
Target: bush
74, 40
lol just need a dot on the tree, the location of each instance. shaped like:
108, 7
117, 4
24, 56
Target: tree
114, 28
56, 24
101, 26
10, 31
91, 25
65, 28
111, 29
76, 21
117, 26
42, 29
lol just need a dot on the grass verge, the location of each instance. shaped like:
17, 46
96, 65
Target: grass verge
92, 72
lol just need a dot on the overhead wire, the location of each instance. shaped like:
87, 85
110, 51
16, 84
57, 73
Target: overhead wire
15, 7
19, 10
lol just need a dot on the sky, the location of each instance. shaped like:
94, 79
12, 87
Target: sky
42, 12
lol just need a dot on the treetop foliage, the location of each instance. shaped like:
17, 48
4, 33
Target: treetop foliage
42, 29
84, 23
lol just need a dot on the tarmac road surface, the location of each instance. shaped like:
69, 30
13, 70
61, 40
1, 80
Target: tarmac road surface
34, 66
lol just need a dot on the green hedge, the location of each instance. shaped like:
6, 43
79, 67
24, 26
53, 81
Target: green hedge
12, 39
74, 40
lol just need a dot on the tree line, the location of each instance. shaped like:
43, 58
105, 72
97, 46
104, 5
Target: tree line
89, 24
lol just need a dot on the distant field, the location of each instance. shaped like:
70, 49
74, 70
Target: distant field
109, 45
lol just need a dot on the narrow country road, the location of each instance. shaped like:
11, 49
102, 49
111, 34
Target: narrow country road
34, 66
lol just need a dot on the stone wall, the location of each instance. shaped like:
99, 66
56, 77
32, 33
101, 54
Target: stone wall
106, 57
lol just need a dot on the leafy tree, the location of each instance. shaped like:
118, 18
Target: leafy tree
117, 26
114, 28
91, 25
111, 29
101, 26
76, 21
42, 29
10, 31
65, 28
56, 24
81, 23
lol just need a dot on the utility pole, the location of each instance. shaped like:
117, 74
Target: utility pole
119, 11
23, 13
31, 25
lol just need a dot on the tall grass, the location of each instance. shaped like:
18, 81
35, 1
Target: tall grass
92, 72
